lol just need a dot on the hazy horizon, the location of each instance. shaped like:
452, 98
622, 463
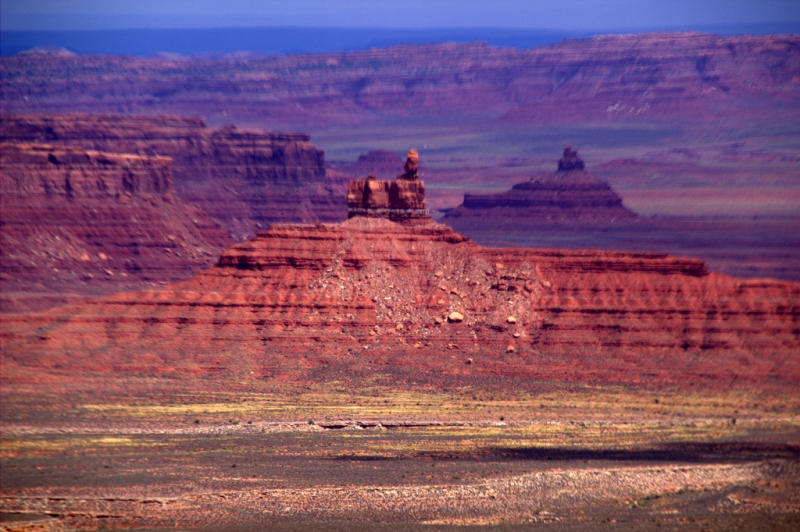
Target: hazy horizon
560, 15
188, 27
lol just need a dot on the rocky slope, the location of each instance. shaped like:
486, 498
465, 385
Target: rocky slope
78, 222
243, 179
668, 75
422, 303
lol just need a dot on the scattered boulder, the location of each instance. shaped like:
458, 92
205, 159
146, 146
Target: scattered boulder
455, 317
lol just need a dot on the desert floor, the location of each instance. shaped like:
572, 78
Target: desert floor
152, 455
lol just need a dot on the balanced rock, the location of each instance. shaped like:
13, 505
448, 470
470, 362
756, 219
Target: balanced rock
412, 164
570, 161
563, 197
400, 200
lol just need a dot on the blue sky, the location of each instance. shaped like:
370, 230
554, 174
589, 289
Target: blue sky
545, 14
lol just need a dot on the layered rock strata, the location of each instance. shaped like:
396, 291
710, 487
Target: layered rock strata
558, 198
693, 76
570, 161
243, 179
79, 222
369, 298
400, 200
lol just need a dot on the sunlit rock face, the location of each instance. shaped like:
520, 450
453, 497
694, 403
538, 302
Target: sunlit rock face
344, 301
400, 200
244, 179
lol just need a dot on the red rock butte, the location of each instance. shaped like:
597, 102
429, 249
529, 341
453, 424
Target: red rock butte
243, 179
570, 195
369, 297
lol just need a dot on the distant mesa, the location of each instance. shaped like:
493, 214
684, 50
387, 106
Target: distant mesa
400, 200
570, 161
54, 51
567, 196
79, 223
244, 179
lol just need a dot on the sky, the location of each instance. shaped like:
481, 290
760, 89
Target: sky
50, 15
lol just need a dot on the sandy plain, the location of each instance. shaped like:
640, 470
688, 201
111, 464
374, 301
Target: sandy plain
155, 455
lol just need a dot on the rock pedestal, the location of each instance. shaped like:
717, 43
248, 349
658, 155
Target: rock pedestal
570, 161
401, 200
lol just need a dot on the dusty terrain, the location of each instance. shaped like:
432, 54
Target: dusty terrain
157, 454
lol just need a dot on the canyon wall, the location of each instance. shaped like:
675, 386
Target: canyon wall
691, 76
420, 303
243, 179
77, 223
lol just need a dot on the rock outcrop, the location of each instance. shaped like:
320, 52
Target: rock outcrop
570, 161
369, 298
243, 179
78, 223
569, 196
400, 200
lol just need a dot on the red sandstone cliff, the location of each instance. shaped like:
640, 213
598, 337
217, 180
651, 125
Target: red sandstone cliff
78, 223
370, 297
243, 179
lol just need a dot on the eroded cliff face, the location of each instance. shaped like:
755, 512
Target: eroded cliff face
243, 179
690, 76
79, 223
424, 304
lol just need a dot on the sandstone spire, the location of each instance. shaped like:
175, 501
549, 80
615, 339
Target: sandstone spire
401, 200
570, 161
